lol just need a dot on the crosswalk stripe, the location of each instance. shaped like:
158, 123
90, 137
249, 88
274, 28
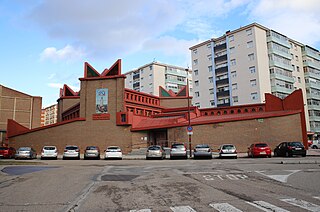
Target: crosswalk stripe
142, 210
265, 206
224, 207
302, 204
182, 209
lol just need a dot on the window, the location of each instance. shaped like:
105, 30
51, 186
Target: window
211, 92
234, 74
150, 76
235, 99
197, 104
249, 32
209, 45
197, 94
150, 85
196, 83
196, 72
292, 56
195, 51
298, 69
211, 102
299, 79
233, 62
210, 79
231, 38
142, 78
209, 57
150, 67
234, 86
252, 69
251, 57
195, 62
254, 96
253, 82
297, 58
293, 67
210, 68
232, 50
249, 44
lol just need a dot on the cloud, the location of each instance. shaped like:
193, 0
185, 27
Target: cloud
60, 85
68, 53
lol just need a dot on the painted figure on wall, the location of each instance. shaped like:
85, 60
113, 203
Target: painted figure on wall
102, 100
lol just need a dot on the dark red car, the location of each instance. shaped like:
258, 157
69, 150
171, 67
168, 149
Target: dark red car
259, 150
7, 152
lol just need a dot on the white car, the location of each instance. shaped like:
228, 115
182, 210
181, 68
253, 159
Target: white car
228, 150
71, 151
315, 144
49, 152
113, 152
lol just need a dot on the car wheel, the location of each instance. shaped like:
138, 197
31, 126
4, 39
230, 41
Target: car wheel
56, 158
63, 158
304, 155
235, 157
314, 147
275, 154
269, 156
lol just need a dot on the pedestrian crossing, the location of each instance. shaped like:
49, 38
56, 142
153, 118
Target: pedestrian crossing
261, 205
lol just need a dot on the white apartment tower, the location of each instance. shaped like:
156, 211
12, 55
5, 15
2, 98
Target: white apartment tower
242, 65
149, 77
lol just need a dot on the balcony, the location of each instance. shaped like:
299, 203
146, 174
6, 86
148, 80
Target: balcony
313, 96
311, 53
220, 47
313, 107
282, 77
221, 70
176, 72
314, 118
220, 58
223, 105
223, 93
313, 85
314, 129
312, 64
281, 89
222, 82
279, 41
311, 75
175, 81
281, 53
280, 65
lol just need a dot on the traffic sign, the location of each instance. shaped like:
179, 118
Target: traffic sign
190, 133
189, 128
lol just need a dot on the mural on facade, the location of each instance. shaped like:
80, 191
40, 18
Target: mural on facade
102, 100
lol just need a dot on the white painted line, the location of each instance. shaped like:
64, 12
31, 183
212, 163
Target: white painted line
265, 206
225, 207
302, 204
317, 198
142, 210
182, 209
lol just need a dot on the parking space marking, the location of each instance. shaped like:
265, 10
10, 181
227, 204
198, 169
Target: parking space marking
182, 209
302, 204
225, 207
265, 206
142, 210
225, 177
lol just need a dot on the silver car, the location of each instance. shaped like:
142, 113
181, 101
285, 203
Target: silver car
92, 152
155, 151
71, 151
178, 150
26, 152
49, 152
202, 150
228, 150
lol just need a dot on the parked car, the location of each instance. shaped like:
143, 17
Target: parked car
155, 151
92, 152
26, 152
7, 152
71, 151
315, 144
202, 150
178, 150
259, 149
228, 150
289, 149
49, 152
113, 152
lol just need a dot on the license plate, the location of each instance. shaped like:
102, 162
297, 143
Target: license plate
298, 148
262, 153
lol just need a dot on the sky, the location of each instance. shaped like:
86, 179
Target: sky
44, 43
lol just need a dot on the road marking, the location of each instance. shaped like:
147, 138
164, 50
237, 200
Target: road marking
317, 198
142, 210
225, 207
302, 204
265, 206
225, 177
279, 177
182, 209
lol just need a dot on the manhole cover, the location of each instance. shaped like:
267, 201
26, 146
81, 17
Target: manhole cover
118, 177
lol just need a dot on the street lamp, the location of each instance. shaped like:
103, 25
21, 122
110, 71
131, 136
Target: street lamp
189, 128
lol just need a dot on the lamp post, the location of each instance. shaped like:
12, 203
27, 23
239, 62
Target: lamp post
189, 128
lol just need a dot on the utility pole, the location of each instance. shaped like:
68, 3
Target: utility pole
189, 128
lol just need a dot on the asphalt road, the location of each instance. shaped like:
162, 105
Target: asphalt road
263, 184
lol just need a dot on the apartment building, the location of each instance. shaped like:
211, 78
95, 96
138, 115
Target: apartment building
242, 65
149, 77
49, 115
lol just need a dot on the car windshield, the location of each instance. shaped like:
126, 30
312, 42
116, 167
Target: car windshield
298, 144
202, 146
49, 148
154, 148
24, 149
71, 147
178, 146
3, 148
91, 148
261, 145
228, 147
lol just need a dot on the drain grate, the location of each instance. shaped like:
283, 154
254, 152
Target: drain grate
118, 177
